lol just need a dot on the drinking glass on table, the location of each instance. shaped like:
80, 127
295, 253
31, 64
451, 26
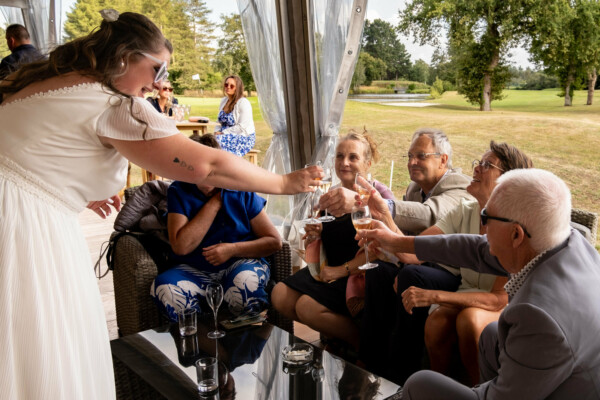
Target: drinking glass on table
214, 297
363, 192
325, 185
361, 219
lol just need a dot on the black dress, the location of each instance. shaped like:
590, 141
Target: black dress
340, 247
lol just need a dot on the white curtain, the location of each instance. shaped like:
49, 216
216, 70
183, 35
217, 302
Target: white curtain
259, 22
42, 18
335, 28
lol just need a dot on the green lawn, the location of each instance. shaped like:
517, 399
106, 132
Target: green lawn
564, 140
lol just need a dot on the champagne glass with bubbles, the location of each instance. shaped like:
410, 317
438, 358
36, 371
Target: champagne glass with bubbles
214, 297
361, 219
363, 192
325, 185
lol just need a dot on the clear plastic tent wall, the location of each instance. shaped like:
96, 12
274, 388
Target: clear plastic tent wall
43, 19
335, 28
259, 21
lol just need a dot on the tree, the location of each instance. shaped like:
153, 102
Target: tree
4, 50
565, 40
419, 72
179, 21
442, 66
381, 41
483, 31
231, 57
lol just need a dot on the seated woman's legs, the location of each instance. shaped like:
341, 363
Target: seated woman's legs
179, 288
441, 337
322, 319
470, 322
244, 284
284, 300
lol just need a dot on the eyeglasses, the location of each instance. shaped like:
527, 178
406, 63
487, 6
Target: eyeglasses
420, 156
230, 86
168, 89
484, 220
485, 165
161, 72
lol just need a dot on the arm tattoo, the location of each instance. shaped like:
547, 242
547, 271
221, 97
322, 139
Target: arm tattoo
183, 164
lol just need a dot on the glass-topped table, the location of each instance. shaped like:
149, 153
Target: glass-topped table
159, 363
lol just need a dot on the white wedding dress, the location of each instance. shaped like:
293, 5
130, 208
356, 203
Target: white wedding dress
53, 334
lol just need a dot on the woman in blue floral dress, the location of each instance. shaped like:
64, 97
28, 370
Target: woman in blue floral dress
235, 132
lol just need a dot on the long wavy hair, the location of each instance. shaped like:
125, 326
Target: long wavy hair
103, 55
239, 93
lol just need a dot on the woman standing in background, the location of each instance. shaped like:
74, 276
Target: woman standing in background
235, 132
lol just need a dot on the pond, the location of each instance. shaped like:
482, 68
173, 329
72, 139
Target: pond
388, 98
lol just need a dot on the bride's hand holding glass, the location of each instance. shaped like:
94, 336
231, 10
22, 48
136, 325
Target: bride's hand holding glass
303, 180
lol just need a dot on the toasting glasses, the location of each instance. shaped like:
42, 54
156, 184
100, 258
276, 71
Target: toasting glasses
361, 219
363, 192
214, 297
325, 185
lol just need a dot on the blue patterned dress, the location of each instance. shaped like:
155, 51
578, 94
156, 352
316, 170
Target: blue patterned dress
243, 280
238, 134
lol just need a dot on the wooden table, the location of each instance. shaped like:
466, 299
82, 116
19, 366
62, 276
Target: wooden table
197, 128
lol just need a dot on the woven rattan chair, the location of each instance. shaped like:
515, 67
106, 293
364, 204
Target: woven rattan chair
134, 271
587, 219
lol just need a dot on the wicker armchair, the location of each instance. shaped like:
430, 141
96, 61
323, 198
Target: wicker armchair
587, 219
134, 271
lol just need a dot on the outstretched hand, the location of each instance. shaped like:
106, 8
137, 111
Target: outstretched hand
302, 180
338, 201
381, 237
102, 207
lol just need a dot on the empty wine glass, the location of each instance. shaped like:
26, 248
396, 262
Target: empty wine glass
363, 192
361, 219
325, 185
214, 297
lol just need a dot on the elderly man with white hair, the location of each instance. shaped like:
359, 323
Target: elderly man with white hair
545, 344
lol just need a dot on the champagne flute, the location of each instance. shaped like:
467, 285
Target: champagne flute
363, 192
361, 219
214, 297
325, 185
314, 221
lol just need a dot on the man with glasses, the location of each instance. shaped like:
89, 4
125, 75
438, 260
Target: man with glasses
435, 190
545, 344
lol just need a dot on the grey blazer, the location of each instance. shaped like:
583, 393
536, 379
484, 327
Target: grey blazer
548, 333
413, 216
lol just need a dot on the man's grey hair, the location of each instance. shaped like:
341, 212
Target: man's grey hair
439, 139
537, 199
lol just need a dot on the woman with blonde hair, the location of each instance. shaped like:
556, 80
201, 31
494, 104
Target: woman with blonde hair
235, 132
321, 304
163, 100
